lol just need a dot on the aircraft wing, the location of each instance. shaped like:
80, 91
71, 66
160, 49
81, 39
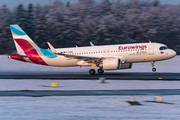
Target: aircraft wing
88, 59
85, 58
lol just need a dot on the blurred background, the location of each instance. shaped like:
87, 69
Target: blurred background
66, 23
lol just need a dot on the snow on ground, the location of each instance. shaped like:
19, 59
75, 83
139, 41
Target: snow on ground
34, 84
86, 107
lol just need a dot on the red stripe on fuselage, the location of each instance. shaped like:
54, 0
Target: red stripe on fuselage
29, 50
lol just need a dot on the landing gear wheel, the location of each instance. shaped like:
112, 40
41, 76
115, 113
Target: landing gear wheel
100, 71
154, 69
92, 71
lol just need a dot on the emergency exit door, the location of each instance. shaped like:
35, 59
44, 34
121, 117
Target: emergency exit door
151, 49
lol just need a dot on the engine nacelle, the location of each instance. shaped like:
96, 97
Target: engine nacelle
111, 64
126, 66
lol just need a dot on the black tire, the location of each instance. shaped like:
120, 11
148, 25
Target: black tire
92, 71
154, 69
100, 71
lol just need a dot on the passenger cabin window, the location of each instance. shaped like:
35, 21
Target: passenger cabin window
163, 48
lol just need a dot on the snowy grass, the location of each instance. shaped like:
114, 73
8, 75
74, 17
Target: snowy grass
87, 108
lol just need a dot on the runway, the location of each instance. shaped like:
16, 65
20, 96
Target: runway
41, 93
83, 76
25, 79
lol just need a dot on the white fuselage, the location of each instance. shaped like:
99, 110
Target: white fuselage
127, 53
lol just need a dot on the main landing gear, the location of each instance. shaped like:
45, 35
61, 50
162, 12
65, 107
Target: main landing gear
153, 69
100, 71
92, 71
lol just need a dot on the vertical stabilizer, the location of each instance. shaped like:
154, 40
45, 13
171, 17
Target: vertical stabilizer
22, 41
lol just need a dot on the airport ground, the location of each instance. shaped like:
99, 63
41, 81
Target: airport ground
83, 76
26, 92
14, 71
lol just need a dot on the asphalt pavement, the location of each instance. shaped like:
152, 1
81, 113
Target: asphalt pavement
83, 76
41, 93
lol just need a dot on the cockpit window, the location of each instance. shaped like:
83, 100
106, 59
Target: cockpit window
163, 48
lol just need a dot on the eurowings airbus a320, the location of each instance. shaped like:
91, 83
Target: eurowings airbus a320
107, 57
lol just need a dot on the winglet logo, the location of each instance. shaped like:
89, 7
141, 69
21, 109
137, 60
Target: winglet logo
161, 52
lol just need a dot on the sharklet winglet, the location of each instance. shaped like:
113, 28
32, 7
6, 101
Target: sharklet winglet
52, 48
91, 44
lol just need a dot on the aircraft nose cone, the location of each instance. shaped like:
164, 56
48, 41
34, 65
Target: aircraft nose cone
173, 53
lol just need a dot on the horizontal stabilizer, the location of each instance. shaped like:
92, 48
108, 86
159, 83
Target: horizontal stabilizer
18, 55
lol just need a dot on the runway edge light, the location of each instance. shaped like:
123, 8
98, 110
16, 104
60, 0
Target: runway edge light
133, 102
132, 99
102, 80
159, 99
54, 84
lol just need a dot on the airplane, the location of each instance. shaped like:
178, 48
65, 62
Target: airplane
106, 57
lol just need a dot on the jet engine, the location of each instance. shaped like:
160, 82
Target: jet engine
111, 64
126, 66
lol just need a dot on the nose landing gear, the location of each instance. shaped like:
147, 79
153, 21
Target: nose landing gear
154, 69
153, 64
